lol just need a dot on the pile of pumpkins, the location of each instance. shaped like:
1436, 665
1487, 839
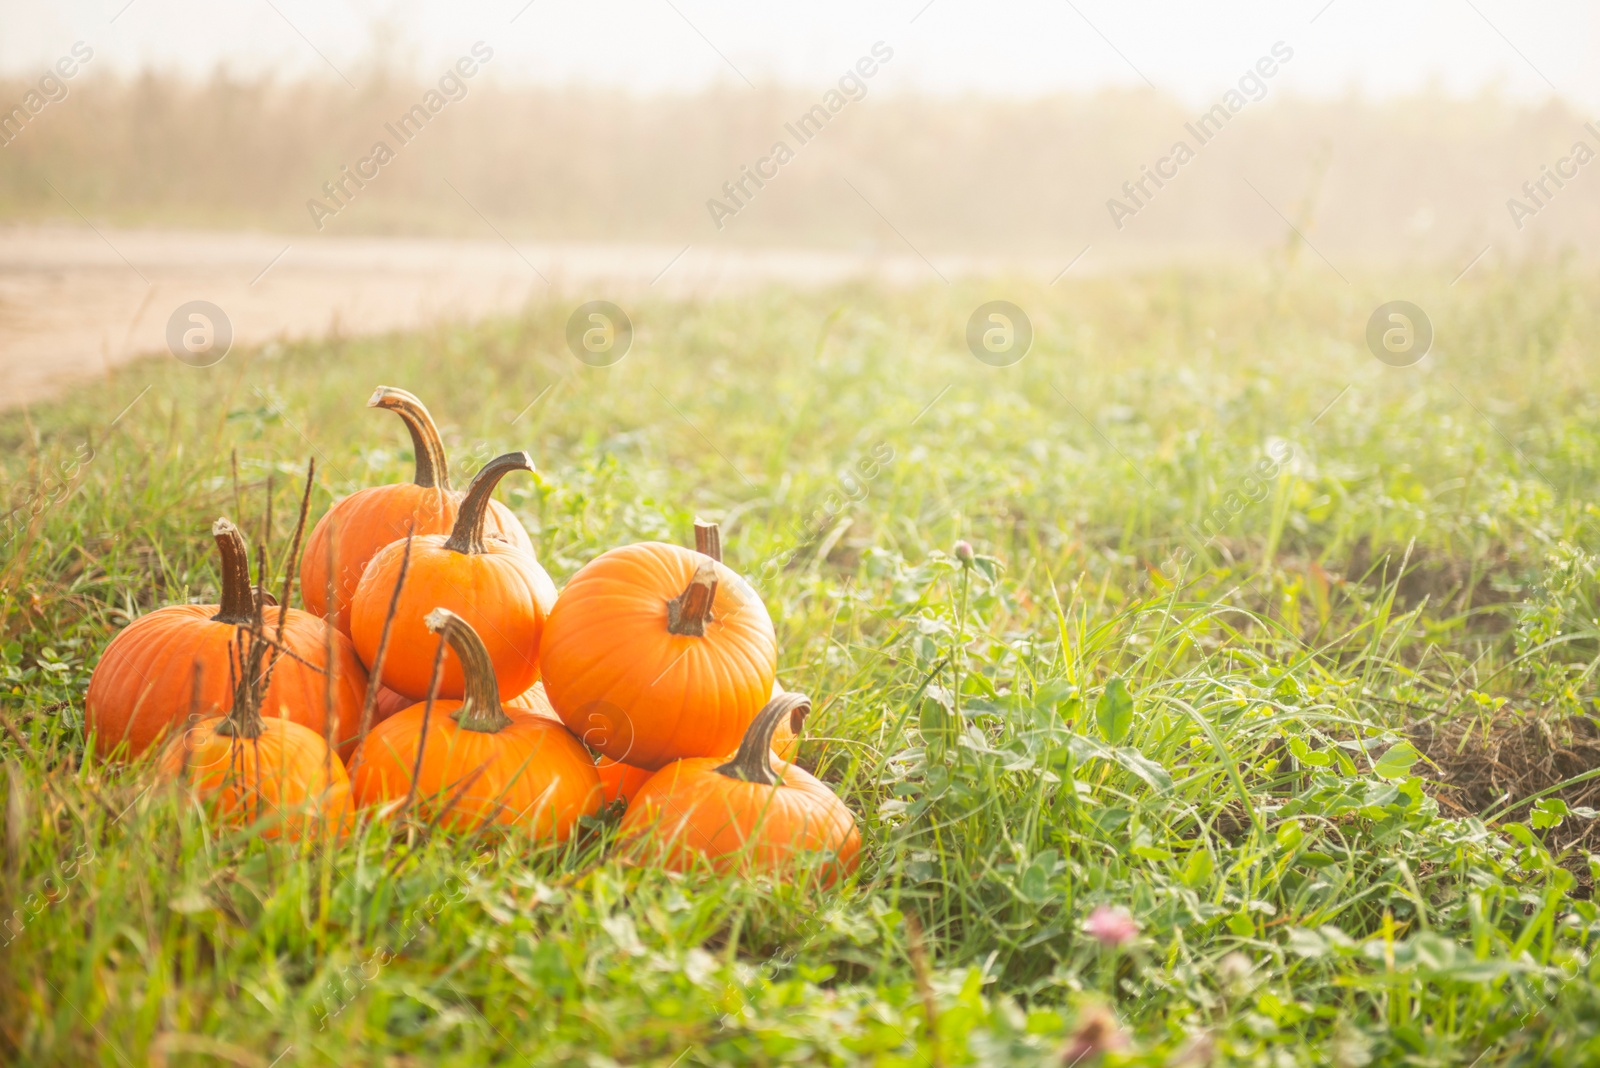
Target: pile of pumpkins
435, 671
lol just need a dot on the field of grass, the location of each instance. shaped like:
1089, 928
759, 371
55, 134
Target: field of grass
1344, 689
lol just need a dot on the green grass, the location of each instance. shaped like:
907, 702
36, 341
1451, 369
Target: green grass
1306, 894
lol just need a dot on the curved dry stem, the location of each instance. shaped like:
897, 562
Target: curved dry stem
753, 761
433, 466
467, 535
480, 705
237, 604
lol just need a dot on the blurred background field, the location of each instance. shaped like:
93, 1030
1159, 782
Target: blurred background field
580, 157
137, 194
1423, 179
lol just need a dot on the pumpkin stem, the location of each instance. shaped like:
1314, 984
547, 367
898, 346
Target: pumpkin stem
238, 600
753, 761
708, 539
480, 706
690, 611
433, 466
467, 535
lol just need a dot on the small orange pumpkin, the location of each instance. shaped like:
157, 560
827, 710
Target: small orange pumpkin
371, 518
144, 684
744, 815
620, 781
654, 653
249, 770
476, 761
496, 587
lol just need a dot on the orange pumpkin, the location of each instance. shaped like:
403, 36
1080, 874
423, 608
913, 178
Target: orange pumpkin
496, 587
745, 815
480, 762
371, 518
655, 652
145, 683
248, 770
621, 781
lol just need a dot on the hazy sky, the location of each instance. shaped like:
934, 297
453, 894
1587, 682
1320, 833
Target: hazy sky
1013, 47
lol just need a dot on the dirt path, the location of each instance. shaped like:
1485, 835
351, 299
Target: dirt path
75, 302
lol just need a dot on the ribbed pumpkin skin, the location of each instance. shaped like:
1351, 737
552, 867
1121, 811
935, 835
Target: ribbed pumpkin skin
534, 773
285, 777
634, 691
689, 815
368, 520
502, 592
141, 687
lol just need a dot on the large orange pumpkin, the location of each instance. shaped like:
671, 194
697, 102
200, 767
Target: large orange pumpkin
655, 652
368, 519
619, 781
496, 587
745, 814
479, 762
144, 684
248, 770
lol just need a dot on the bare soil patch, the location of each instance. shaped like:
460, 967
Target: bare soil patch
76, 302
